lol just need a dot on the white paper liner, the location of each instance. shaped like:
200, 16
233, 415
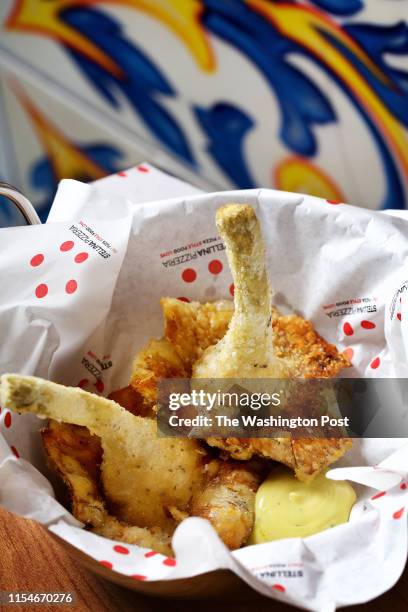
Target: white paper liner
339, 266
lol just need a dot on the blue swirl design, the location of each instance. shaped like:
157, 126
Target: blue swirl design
226, 126
301, 103
376, 41
303, 106
340, 7
386, 39
143, 80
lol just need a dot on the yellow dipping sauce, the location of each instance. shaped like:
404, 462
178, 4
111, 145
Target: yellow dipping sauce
288, 508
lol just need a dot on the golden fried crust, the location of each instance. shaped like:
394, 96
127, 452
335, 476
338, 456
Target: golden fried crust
192, 327
307, 457
311, 356
228, 501
158, 359
130, 399
296, 341
76, 455
313, 456
141, 472
189, 329
278, 449
125, 481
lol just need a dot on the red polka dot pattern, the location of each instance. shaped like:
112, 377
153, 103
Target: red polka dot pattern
71, 286
169, 562
142, 169
41, 290
183, 299
99, 386
107, 564
189, 275
7, 419
333, 201
121, 173
398, 513
66, 246
399, 316
82, 383
138, 577
378, 495
122, 550
403, 486
215, 266
37, 260
348, 330
81, 257
151, 553
15, 451
279, 587
375, 363
367, 325
231, 289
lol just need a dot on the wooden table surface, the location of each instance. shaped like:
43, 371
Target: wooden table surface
30, 560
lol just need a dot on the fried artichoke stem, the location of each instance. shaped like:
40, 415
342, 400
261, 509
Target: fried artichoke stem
246, 350
137, 465
126, 482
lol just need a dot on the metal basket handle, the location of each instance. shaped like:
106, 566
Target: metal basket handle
23, 204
